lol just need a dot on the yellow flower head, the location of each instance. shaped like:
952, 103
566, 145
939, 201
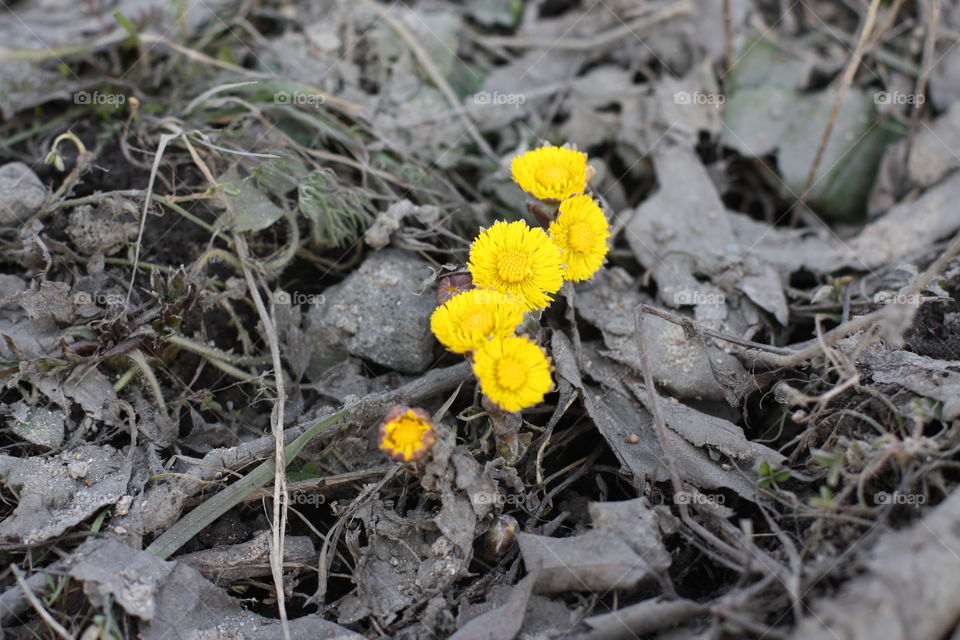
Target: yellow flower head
581, 232
467, 320
551, 173
513, 258
407, 434
513, 372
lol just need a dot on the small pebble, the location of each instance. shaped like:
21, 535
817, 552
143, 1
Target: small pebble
633, 438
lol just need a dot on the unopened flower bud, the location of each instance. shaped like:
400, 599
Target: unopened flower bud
406, 434
452, 285
501, 535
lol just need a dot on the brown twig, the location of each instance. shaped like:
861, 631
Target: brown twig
692, 327
644, 618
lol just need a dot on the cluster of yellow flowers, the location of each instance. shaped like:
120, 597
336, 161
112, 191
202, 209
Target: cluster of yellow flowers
515, 268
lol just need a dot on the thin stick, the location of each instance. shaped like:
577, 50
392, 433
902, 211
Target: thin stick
653, 400
845, 82
36, 604
164, 140
141, 361
691, 326
279, 523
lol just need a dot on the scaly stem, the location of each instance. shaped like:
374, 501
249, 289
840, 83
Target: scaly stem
506, 431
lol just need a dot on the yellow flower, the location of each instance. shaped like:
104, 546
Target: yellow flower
406, 434
581, 232
467, 320
513, 372
513, 258
551, 173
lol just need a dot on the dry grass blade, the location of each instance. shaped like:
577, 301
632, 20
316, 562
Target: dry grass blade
279, 523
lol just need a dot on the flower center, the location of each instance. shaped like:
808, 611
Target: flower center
477, 322
407, 434
511, 373
513, 266
551, 174
580, 237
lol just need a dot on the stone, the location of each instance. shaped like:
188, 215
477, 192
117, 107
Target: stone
21, 193
100, 230
381, 312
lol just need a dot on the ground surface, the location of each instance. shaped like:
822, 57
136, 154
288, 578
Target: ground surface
221, 222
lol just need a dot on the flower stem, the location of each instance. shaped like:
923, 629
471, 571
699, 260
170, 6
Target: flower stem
506, 431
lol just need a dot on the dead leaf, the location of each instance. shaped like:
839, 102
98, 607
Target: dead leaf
679, 363
503, 623
593, 561
59, 492
637, 524
230, 563
618, 418
175, 602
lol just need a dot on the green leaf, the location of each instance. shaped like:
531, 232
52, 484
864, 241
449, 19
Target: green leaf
125, 23
338, 213
755, 119
767, 112
280, 175
781, 476
850, 160
308, 471
761, 63
496, 13
247, 208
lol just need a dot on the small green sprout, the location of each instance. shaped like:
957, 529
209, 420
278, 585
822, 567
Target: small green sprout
770, 479
825, 501
832, 461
